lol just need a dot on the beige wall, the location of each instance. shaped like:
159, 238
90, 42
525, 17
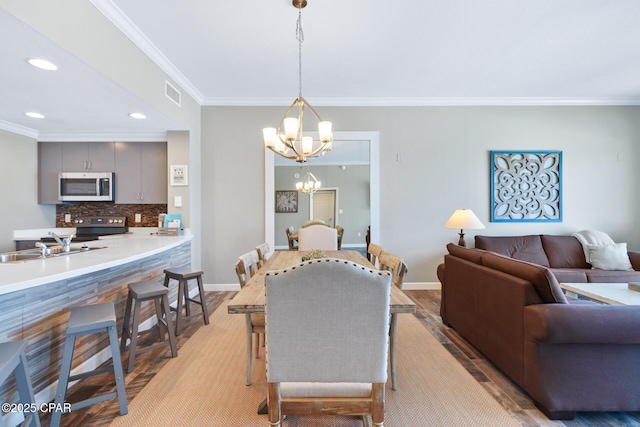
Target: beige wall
19, 189
444, 165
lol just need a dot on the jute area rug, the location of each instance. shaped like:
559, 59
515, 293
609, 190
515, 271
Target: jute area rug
205, 385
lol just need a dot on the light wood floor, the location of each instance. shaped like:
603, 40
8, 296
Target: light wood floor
508, 394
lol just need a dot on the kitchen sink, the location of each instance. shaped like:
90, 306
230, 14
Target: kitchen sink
50, 252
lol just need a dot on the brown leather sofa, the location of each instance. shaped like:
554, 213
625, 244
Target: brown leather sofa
568, 355
563, 255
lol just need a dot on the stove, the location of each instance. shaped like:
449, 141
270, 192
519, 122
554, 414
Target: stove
91, 227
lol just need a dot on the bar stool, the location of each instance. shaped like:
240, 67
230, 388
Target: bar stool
183, 275
13, 360
145, 291
84, 320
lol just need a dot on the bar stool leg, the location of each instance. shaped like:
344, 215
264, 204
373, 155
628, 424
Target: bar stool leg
183, 294
160, 322
203, 301
133, 344
25, 390
167, 314
63, 381
117, 370
126, 333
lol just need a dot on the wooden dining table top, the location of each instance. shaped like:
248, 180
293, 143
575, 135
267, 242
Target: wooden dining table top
250, 299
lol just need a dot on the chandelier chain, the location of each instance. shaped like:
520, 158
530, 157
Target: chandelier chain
300, 37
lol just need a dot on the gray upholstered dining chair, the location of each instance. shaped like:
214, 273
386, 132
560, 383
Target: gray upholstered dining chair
317, 237
246, 266
327, 323
397, 267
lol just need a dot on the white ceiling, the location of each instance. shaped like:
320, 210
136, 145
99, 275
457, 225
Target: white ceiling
356, 52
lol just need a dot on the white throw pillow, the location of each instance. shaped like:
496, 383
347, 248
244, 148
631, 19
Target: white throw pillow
609, 257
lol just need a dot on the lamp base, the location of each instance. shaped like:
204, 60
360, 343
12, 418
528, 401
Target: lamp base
461, 242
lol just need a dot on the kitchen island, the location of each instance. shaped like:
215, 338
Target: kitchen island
37, 295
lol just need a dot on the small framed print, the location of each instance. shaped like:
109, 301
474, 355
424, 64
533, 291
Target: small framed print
179, 176
286, 201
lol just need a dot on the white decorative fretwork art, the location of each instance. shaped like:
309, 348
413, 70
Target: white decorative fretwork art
526, 186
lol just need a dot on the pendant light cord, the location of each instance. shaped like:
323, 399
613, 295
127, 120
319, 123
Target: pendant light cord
300, 37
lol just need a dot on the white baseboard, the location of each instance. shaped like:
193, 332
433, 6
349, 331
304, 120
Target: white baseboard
421, 286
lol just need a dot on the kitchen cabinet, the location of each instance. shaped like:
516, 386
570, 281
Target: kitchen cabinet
141, 172
88, 156
49, 165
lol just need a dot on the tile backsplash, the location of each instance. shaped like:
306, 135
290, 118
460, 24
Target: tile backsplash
149, 213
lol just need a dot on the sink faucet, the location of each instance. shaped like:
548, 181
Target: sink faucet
43, 249
64, 242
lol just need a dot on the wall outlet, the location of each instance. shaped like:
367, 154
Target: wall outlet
359, 234
67, 217
138, 217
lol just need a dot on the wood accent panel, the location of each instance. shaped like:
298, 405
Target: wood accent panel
40, 314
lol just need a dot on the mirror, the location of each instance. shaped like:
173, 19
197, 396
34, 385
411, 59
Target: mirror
356, 148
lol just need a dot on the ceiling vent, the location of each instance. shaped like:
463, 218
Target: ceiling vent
172, 93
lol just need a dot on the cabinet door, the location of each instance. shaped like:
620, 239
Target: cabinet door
75, 156
128, 173
153, 183
49, 165
101, 156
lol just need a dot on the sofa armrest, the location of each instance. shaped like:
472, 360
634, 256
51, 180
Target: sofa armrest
634, 257
582, 324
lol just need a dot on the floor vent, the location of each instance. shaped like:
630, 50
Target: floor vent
172, 93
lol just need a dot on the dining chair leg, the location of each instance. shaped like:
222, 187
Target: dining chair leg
249, 342
273, 403
392, 348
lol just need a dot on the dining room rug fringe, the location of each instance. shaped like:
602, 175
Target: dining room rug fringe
205, 385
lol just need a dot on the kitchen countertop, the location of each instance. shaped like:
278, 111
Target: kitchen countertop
118, 249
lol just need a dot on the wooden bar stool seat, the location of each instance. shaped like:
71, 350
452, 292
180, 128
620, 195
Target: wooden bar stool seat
138, 293
182, 276
85, 320
13, 360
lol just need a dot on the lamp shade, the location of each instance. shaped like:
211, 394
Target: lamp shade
464, 219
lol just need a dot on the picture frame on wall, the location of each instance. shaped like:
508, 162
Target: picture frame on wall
286, 201
179, 175
526, 186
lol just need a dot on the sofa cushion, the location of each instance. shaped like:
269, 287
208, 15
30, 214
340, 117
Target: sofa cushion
542, 279
570, 275
473, 255
563, 251
609, 257
525, 248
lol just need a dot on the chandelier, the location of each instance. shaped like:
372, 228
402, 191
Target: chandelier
288, 139
309, 185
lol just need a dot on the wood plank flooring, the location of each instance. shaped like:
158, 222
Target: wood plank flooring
507, 393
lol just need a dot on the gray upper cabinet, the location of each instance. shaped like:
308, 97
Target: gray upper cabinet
88, 156
141, 172
49, 166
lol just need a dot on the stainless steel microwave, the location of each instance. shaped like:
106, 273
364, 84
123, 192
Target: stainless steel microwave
85, 186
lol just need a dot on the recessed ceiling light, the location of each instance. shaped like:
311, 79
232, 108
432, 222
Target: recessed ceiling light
34, 115
42, 64
137, 116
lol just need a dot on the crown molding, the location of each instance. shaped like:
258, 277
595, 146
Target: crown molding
129, 29
428, 102
20, 130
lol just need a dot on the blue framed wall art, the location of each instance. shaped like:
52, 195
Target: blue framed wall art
526, 186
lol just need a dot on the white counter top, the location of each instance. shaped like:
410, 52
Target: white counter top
118, 250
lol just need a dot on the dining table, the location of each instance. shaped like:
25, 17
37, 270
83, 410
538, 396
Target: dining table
250, 299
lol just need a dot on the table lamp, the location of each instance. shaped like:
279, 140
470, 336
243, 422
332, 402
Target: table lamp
464, 218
